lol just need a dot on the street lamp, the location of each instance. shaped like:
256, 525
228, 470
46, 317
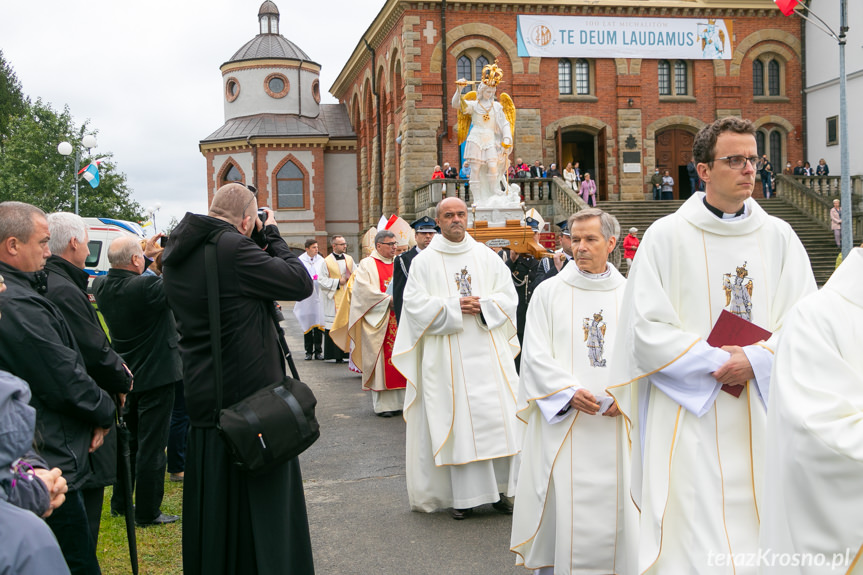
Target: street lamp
66, 149
789, 7
151, 211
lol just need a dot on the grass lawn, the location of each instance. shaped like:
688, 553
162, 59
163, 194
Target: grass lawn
160, 548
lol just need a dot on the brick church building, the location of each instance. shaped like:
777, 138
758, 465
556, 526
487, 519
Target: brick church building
602, 89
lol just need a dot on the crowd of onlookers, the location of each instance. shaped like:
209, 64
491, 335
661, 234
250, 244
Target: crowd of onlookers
580, 181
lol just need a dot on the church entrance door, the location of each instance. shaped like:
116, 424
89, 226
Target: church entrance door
587, 147
673, 150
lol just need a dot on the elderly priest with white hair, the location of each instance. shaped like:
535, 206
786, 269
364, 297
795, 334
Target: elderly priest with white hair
573, 512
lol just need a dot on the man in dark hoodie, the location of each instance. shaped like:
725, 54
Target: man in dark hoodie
36, 344
233, 522
67, 288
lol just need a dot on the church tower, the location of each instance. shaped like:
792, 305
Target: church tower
299, 154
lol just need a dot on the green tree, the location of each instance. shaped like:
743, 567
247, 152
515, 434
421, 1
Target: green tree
31, 169
12, 102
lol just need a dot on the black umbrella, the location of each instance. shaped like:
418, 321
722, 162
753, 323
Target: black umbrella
124, 479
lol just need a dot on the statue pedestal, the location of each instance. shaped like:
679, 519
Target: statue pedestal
511, 234
496, 217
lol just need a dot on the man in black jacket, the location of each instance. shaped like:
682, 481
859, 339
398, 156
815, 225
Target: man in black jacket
72, 413
143, 332
234, 522
67, 288
424, 231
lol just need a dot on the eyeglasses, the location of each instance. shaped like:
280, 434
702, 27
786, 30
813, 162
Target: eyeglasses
388, 243
739, 162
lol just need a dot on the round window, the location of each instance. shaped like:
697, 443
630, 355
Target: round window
276, 85
316, 91
232, 89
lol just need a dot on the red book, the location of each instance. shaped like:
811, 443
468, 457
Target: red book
732, 329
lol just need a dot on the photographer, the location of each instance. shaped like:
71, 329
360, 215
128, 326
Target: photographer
234, 522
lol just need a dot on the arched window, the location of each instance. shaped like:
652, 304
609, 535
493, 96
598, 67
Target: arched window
290, 184
768, 76
664, 78
775, 153
564, 76
582, 77
232, 175
463, 68
773, 81
681, 78
757, 78
469, 66
759, 143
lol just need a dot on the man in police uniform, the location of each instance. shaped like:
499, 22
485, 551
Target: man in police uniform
527, 273
424, 229
551, 266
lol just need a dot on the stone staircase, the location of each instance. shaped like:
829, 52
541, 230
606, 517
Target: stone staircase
817, 241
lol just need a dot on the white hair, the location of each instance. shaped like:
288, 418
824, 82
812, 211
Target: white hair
121, 250
64, 226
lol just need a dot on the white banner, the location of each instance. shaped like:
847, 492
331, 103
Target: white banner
600, 37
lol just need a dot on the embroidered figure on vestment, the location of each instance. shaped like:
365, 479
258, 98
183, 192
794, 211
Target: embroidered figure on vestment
738, 293
594, 335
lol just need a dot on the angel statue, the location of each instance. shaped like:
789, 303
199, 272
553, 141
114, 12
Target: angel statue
490, 141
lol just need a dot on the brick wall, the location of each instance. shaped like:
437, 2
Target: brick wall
719, 88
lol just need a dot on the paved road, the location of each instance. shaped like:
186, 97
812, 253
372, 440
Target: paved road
354, 480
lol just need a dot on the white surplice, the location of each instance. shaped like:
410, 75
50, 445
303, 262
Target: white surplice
310, 311
698, 453
813, 501
573, 510
330, 271
462, 432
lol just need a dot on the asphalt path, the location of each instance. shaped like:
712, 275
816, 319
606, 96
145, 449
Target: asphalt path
354, 479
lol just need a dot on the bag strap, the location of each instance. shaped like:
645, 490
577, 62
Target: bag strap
210, 262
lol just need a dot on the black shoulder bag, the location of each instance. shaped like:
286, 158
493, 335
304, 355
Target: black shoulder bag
274, 424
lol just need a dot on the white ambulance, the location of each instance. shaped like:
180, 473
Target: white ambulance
102, 231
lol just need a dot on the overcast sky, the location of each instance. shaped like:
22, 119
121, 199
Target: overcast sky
146, 74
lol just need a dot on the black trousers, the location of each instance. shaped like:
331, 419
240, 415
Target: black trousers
71, 528
179, 430
313, 340
148, 416
331, 350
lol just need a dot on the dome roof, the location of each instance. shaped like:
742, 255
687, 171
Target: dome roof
268, 7
269, 46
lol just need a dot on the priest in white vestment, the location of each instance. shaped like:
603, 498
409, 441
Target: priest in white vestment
698, 451
310, 311
372, 327
333, 273
455, 345
573, 512
813, 504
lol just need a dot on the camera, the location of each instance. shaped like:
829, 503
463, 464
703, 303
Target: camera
262, 215
163, 241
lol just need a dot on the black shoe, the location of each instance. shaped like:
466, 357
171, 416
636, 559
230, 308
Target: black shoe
385, 414
503, 506
319, 356
117, 513
162, 519
459, 514
308, 357
339, 360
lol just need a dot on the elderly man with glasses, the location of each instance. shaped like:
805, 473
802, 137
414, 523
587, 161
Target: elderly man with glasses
697, 410
372, 327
